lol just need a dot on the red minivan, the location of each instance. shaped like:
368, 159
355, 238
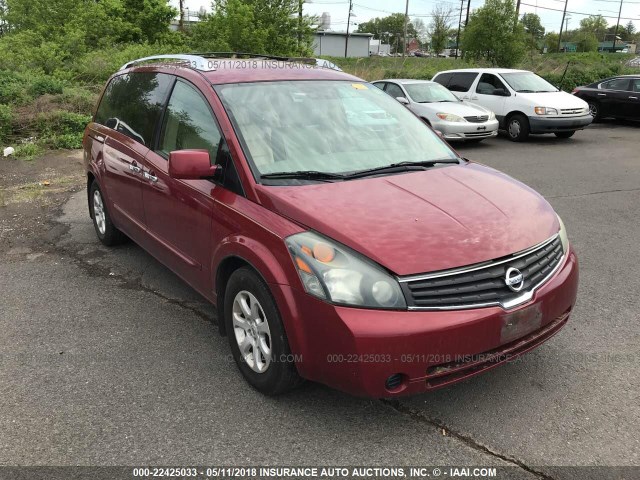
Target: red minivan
340, 239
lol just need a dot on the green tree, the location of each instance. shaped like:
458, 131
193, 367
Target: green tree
494, 34
595, 25
389, 28
254, 26
439, 28
533, 29
587, 42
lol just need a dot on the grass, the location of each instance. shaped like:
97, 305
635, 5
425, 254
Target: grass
30, 192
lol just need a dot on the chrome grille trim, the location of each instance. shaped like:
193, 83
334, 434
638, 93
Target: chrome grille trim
506, 303
477, 118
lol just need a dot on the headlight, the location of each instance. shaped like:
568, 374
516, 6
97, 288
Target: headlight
450, 117
492, 115
563, 235
335, 273
545, 111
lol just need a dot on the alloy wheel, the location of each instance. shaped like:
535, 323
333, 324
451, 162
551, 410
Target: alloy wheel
593, 109
251, 330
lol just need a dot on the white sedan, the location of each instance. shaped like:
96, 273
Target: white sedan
436, 105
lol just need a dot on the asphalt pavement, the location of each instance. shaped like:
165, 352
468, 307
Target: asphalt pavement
107, 358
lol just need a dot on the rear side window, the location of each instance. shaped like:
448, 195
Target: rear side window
461, 82
132, 104
443, 79
616, 84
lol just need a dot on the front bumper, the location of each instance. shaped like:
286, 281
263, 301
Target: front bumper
357, 350
467, 130
558, 124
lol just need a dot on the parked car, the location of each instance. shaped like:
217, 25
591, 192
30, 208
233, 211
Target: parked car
617, 97
437, 106
340, 239
523, 102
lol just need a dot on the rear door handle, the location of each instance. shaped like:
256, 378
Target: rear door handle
635, 98
602, 94
150, 176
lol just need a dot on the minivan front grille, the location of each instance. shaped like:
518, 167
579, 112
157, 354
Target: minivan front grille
477, 119
485, 284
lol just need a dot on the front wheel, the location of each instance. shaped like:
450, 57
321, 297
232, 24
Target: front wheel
256, 334
518, 128
565, 134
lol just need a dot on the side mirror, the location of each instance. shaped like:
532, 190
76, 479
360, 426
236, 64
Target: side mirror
191, 165
403, 100
501, 92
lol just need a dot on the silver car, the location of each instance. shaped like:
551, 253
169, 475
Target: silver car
436, 105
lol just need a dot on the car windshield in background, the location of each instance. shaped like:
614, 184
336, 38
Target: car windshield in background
429, 92
326, 127
527, 82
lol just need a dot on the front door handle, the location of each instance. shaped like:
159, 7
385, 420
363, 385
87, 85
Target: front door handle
134, 168
474, 98
150, 176
602, 94
634, 98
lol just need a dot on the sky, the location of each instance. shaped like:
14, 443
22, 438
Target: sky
365, 10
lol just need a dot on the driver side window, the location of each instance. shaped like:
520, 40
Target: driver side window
488, 84
394, 90
188, 123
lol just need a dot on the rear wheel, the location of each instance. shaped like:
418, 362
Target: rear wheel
518, 128
565, 134
594, 110
107, 233
256, 334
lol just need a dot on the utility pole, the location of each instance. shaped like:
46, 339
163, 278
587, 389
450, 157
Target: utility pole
406, 22
346, 43
564, 13
615, 37
466, 20
459, 24
181, 20
300, 3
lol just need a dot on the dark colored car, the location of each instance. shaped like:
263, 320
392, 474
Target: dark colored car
339, 237
617, 97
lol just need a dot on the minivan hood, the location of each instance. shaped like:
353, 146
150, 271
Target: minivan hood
424, 221
554, 100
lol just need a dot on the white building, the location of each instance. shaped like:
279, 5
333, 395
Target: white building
333, 43
376, 47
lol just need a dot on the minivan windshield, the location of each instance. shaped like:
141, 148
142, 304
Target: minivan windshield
429, 92
528, 82
327, 128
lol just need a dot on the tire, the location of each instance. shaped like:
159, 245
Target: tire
594, 110
565, 134
265, 359
518, 128
106, 231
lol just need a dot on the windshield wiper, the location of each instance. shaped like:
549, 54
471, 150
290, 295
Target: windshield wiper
399, 167
526, 91
303, 174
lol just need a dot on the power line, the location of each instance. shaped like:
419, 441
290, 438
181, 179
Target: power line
578, 13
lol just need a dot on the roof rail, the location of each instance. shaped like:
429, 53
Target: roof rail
196, 62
